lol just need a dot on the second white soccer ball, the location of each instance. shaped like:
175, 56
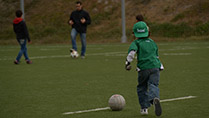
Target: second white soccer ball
116, 102
74, 53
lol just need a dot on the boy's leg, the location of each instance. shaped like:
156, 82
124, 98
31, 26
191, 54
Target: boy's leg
25, 50
73, 38
83, 42
153, 83
21, 42
142, 89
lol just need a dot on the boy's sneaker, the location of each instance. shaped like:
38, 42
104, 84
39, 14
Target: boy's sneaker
157, 106
16, 62
144, 111
28, 61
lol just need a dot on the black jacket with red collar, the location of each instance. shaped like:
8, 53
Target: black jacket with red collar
20, 29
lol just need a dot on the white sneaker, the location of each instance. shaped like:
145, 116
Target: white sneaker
144, 111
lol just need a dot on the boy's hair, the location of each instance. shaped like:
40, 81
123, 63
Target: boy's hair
139, 17
79, 2
18, 13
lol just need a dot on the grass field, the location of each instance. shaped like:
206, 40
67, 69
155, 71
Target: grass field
55, 83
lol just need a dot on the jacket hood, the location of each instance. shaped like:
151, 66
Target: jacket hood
17, 20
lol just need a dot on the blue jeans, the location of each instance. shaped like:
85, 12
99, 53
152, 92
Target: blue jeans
147, 89
23, 49
83, 41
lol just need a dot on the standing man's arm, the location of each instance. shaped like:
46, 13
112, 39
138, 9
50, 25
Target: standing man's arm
71, 20
88, 19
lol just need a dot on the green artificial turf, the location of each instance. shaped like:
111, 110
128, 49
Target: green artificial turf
56, 83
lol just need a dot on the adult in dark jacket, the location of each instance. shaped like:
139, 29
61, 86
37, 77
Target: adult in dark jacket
79, 20
22, 36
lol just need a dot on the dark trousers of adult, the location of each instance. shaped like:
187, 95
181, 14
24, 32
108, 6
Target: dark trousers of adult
147, 89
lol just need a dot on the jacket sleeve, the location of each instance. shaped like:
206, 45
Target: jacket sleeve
26, 31
132, 47
71, 16
156, 49
88, 19
130, 56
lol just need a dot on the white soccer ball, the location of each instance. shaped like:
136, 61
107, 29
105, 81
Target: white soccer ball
74, 53
117, 102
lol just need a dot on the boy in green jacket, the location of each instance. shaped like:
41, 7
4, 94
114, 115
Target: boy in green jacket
148, 67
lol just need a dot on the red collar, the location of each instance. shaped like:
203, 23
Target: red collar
17, 20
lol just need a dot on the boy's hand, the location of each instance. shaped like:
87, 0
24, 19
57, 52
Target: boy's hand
128, 66
29, 41
161, 67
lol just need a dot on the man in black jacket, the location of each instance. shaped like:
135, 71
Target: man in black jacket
79, 19
22, 36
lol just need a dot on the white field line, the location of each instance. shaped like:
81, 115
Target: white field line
47, 49
93, 54
64, 56
176, 54
107, 108
107, 53
180, 98
55, 56
84, 111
